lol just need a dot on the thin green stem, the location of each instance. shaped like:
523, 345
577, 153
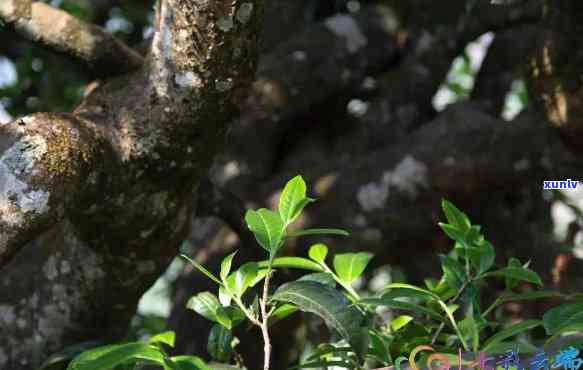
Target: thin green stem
347, 287
492, 306
452, 300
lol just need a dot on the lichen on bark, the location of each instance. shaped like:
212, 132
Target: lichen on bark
115, 180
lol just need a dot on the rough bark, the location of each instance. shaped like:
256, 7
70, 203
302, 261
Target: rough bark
556, 68
94, 204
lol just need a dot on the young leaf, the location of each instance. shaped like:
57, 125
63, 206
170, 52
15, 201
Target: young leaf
456, 217
201, 268
224, 297
454, 233
318, 252
204, 304
293, 193
226, 266
350, 266
307, 232
300, 207
517, 273
400, 322
168, 338
510, 332
559, 317
267, 227
245, 276
219, 343
331, 305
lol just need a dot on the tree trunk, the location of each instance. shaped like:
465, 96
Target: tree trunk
95, 203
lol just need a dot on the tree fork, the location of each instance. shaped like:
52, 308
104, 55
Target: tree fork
94, 204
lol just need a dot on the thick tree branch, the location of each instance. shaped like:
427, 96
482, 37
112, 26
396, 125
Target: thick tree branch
40, 175
504, 63
59, 31
105, 193
555, 70
305, 71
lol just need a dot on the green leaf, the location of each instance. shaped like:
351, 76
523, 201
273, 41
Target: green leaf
300, 207
204, 304
332, 306
470, 331
563, 340
219, 343
453, 272
487, 256
307, 232
224, 297
167, 337
201, 268
400, 322
59, 360
455, 217
400, 305
108, 357
442, 304
261, 274
349, 266
282, 312
453, 232
245, 276
320, 277
517, 273
292, 262
226, 266
380, 348
223, 317
235, 314
267, 227
510, 332
562, 316
318, 252
293, 193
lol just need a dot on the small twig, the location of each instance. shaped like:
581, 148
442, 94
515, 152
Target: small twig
265, 322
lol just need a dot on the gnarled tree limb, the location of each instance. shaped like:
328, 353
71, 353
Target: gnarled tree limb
100, 200
57, 30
